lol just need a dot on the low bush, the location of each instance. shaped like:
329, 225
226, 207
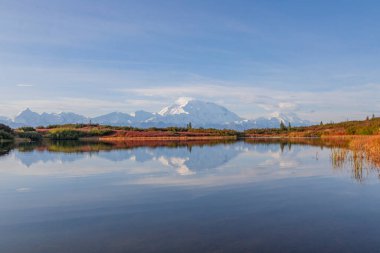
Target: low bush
32, 135
73, 134
27, 129
5, 135
66, 134
6, 129
98, 132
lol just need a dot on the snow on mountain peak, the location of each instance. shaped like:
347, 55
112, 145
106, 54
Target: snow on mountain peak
283, 117
177, 108
198, 112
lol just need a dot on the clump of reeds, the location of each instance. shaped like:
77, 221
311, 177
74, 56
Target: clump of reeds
358, 161
338, 157
368, 148
362, 153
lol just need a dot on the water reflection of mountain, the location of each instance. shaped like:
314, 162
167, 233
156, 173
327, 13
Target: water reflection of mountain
185, 157
193, 157
200, 158
32, 157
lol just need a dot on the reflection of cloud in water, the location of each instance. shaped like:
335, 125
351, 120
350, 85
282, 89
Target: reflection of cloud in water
23, 189
178, 163
279, 159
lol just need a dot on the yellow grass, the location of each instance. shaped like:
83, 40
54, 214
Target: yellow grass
362, 153
368, 147
338, 157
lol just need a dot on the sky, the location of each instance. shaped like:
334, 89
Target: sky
318, 59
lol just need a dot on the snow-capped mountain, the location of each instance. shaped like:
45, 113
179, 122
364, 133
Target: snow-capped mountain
184, 111
27, 117
113, 119
199, 113
30, 118
123, 119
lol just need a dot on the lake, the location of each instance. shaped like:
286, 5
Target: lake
231, 196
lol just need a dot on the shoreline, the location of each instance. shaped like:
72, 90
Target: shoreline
165, 138
200, 138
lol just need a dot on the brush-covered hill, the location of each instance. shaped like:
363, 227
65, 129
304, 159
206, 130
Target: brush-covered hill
358, 127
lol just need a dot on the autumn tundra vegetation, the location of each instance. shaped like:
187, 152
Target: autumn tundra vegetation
100, 132
358, 127
368, 127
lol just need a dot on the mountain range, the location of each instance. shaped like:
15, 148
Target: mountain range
184, 111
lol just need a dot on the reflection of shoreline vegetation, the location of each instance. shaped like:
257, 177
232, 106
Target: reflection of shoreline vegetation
73, 146
5, 148
322, 143
360, 153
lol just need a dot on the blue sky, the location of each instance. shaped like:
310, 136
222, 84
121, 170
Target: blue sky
319, 59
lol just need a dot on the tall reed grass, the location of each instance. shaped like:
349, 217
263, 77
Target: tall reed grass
362, 155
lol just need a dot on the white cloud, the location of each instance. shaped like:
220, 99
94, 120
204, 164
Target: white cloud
287, 106
24, 85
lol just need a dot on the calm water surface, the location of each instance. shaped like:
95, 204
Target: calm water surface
185, 197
